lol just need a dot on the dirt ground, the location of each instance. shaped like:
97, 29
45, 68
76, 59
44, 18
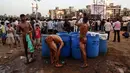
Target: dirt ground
117, 60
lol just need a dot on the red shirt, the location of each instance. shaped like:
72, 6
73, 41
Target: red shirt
38, 33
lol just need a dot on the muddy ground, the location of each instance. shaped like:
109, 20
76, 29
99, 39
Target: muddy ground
117, 60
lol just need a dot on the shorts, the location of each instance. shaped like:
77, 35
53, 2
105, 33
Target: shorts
17, 38
4, 36
37, 41
83, 39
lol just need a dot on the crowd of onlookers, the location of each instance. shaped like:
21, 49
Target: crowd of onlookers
8, 28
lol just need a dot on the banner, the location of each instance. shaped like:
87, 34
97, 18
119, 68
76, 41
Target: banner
97, 9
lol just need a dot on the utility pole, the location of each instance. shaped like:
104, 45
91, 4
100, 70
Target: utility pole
36, 7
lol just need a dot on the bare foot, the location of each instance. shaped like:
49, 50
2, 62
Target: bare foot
52, 62
84, 66
58, 65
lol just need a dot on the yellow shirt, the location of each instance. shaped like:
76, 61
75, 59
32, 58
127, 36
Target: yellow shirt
3, 29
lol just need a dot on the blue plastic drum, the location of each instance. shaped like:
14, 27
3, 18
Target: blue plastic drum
72, 33
65, 51
45, 48
92, 45
59, 33
76, 54
103, 44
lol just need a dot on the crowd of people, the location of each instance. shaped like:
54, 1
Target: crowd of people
13, 30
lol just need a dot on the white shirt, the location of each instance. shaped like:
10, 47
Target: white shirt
81, 20
117, 25
50, 25
71, 23
98, 22
60, 26
16, 22
55, 25
107, 26
40, 23
6, 22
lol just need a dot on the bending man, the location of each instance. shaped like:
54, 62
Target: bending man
53, 41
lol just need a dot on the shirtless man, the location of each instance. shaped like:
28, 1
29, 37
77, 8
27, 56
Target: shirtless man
83, 31
53, 41
26, 28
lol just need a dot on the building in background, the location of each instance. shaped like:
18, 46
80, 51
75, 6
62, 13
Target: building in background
61, 13
125, 12
112, 11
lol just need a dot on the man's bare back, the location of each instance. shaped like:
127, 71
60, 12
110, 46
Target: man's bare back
54, 38
57, 39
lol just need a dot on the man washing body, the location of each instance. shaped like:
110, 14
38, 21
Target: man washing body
83, 26
53, 41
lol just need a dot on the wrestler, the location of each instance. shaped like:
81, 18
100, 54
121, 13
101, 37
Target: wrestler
83, 31
53, 41
26, 28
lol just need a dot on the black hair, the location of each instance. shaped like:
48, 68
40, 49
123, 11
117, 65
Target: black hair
2, 23
117, 19
108, 20
22, 15
85, 19
84, 14
37, 25
7, 24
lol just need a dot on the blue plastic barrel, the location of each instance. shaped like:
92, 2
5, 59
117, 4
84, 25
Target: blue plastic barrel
59, 33
92, 45
76, 54
72, 33
103, 44
65, 51
45, 48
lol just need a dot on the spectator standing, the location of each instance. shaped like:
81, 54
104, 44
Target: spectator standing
71, 25
5, 23
37, 37
10, 35
50, 26
108, 28
55, 26
3, 32
60, 25
67, 26
17, 36
102, 25
117, 27
128, 26
98, 24
44, 27
75, 27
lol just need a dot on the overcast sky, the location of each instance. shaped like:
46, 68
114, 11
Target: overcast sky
16, 7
